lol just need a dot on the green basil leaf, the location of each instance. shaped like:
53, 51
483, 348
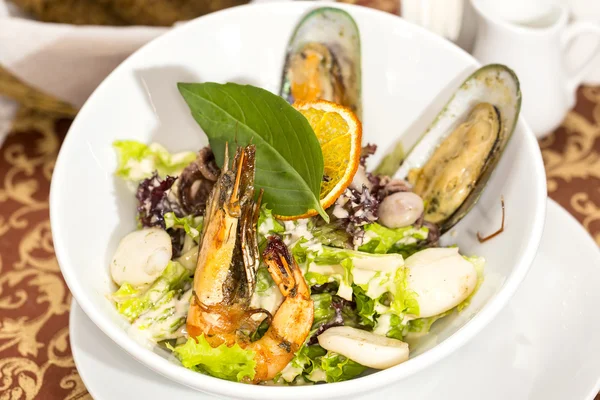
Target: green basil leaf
289, 161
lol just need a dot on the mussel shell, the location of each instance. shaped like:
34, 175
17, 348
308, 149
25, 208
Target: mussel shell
494, 84
337, 31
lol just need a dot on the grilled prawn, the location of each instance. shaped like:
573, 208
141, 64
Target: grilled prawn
225, 277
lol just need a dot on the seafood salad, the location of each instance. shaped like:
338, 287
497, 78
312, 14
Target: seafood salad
276, 254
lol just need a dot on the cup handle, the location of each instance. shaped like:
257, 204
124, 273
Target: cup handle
571, 33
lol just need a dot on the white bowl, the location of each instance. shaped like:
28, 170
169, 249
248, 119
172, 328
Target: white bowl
408, 75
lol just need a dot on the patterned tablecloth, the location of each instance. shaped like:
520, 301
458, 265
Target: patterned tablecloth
35, 358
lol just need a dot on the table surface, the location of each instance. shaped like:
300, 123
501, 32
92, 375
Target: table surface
35, 358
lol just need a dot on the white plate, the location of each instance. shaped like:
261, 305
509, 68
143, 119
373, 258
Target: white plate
407, 79
543, 345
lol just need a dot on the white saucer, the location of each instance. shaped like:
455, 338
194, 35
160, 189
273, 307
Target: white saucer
543, 345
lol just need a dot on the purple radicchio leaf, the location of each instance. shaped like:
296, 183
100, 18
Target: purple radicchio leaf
338, 304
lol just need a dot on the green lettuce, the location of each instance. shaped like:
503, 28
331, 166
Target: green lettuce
405, 300
315, 278
137, 161
338, 368
192, 225
263, 280
378, 284
372, 272
306, 360
331, 235
301, 252
326, 307
381, 240
316, 364
365, 307
133, 302
402, 302
230, 363
323, 311
164, 317
421, 326
397, 328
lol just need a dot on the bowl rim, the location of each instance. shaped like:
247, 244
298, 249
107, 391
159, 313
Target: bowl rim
218, 386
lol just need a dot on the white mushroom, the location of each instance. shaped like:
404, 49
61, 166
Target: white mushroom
400, 209
364, 347
441, 278
141, 257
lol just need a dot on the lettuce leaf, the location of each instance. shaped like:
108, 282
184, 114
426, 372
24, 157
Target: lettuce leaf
397, 328
164, 316
372, 272
365, 307
230, 363
323, 310
332, 235
338, 368
304, 363
405, 300
315, 278
192, 225
317, 365
133, 302
301, 252
137, 161
263, 280
421, 326
381, 240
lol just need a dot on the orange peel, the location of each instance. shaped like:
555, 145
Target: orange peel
340, 136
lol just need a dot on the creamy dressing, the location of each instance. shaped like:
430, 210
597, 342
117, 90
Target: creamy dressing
381, 263
383, 325
188, 243
345, 291
406, 241
376, 272
380, 308
269, 300
266, 227
317, 375
296, 230
362, 276
289, 373
335, 273
139, 169
340, 212
380, 284
167, 321
327, 270
360, 179
189, 259
313, 246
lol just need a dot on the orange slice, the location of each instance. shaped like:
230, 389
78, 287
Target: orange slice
340, 135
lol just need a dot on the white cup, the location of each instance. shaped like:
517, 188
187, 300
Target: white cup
535, 47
